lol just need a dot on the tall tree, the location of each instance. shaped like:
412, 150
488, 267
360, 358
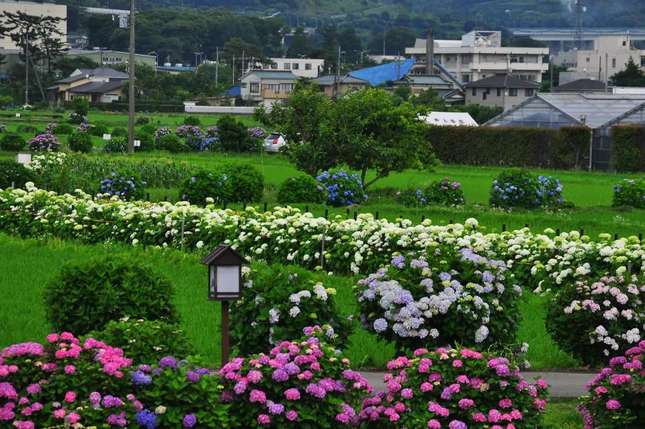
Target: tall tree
300, 45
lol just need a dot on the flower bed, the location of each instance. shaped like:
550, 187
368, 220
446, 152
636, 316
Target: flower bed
44, 143
615, 398
447, 297
593, 320
523, 190
286, 235
456, 389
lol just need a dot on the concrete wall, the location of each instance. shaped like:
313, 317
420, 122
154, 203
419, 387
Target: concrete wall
225, 110
490, 97
297, 66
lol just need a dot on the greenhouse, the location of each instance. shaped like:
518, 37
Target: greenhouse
599, 112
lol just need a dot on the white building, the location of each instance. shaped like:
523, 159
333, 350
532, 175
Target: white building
309, 68
35, 9
449, 119
609, 56
479, 55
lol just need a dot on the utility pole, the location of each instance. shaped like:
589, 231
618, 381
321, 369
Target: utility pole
27, 68
242, 71
233, 68
217, 66
336, 87
131, 76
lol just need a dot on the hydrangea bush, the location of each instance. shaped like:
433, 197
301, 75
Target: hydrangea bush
521, 189
277, 303
206, 187
444, 192
456, 389
595, 319
64, 383
448, 297
615, 396
342, 188
630, 193
301, 189
122, 186
46, 142
299, 384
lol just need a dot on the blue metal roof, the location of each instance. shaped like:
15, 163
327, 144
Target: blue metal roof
380, 74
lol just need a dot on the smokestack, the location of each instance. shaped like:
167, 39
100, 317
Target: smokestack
429, 53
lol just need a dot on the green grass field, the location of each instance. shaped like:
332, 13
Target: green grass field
27, 265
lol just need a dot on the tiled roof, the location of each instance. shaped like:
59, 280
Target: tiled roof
98, 87
502, 81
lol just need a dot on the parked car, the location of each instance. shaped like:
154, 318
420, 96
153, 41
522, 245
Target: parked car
274, 142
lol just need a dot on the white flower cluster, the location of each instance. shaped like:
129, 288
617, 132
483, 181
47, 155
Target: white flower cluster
45, 161
287, 235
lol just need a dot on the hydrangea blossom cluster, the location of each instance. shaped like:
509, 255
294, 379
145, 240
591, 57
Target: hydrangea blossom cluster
445, 191
343, 189
446, 297
456, 389
212, 132
121, 186
161, 133
41, 163
594, 320
543, 260
277, 303
615, 395
48, 385
189, 131
298, 382
256, 132
521, 189
46, 142
630, 193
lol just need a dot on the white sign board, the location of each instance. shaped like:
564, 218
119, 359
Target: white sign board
23, 158
17, 115
137, 143
107, 137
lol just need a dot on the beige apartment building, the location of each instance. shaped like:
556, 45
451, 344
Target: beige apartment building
35, 9
608, 57
480, 55
505, 91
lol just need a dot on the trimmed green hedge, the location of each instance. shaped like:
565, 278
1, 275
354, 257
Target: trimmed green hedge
628, 148
513, 147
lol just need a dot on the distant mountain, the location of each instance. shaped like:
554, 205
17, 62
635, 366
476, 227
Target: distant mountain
447, 17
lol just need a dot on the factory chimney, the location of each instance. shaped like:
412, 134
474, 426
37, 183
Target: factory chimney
429, 53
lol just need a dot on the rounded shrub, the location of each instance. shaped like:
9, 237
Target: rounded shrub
443, 192
44, 143
27, 129
206, 187
63, 129
277, 303
172, 144
80, 142
234, 137
629, 193
247, 182
125, 186
596, 319
301, 189
450, 297
13, 173
144, 341
12, 142
297, 384
342, 188
615, 395
98, 130
456, 389
142, 120
116, 145
192, 120
147, 141
86, 296
520, 189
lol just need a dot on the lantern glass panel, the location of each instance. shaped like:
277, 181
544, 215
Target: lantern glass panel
228, 279
212, 284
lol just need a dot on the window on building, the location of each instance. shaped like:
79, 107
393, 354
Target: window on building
624, 42
512, 92
499, 92
254, 88
613, 63
642, 61
474, 92
588, 59
465, 78
484, 95
287, 66
307, 66
274, 66
529, 92
296, 66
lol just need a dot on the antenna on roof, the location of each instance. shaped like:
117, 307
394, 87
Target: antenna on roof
580, 9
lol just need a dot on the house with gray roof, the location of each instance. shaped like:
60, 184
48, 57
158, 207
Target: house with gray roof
505, 91
99, 85
267, 86
598, 112
334, 86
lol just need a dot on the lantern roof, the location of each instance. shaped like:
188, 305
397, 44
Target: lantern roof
223, 255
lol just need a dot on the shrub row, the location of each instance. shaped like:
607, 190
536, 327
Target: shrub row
628, 148
513, 147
